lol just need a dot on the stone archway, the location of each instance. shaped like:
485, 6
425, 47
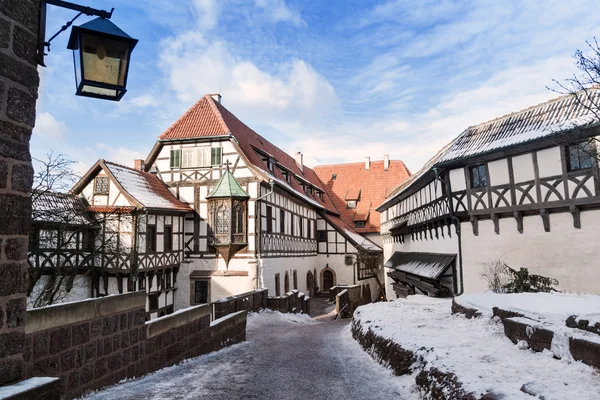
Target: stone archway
327, 279
286, 282
310, 284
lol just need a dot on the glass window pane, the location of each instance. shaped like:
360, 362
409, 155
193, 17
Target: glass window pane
104, 60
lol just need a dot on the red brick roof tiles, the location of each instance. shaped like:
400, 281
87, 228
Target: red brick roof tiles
374, 185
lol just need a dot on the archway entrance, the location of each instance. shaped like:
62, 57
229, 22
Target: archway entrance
328, 280
310, 284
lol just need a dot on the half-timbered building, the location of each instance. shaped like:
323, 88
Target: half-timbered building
522, 189
272, 240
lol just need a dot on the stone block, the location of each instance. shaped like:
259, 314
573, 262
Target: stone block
90, 352
25, 45
21, 180
60, 339
135, 353
100, 368
539, 339
100, 348
41, 344
116, 342
87, 372
115, 361
124, 321
20, 106
96, 327
13, 277
124, 340
80, 333
126, 353
25, 12
585, 351
28, 348
133, 336
16, 248
16, 312
11, 343
3, 165
68, 360
4, 35
73, 380
109, 325
49, 366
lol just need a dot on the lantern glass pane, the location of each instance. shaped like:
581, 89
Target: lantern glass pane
104, 59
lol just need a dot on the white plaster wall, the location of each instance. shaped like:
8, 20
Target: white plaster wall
499, 172
344, 274
271, 266
565, 253
523, 168
82, 289
549, 162
448, 245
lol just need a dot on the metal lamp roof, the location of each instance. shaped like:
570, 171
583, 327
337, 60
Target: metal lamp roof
102, 26
228, 187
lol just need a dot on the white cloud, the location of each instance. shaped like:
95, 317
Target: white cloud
144, 100
48, 127
279, 11
119, 155
207, 13
295, 90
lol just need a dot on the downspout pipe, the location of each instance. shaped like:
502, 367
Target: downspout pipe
256, 223
456, 222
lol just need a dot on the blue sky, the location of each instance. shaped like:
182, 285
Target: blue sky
338, 80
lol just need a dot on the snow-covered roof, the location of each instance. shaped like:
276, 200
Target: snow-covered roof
543, 120
354, 237
60, 208
144, 187
426, 265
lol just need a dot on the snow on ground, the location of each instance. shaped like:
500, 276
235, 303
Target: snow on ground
477, 350
286, 357
553, 308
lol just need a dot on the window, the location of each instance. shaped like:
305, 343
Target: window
269, 219
238, 218
478, 176
333, 177
201, 157
322, 236
150, 238
48, 239
320, 194
201, 288
87, 241
348, 259
153, 300
222, 219
286, 282
168, 238
175, 159
168, 279
580, 156
359, 224
301, 227
101, 185
281, 221
295, 275
277, 286
311, 229
142, 280
351, 203
367, 265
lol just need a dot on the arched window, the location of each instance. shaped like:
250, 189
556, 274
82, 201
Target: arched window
222, 219
286, 282
238, 219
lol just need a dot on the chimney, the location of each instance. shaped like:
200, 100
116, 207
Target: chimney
138, 164
386, 162
367, 163
299, 160
217, 97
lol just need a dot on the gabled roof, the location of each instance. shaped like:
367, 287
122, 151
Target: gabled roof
143, 189
359, 241
228, 187
209, 118
61, 208
370, 186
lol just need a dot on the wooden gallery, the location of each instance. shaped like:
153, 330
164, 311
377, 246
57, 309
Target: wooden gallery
522, 190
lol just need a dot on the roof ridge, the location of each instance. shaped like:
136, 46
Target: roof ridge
213, 105
530, 108
180, 119
356, 163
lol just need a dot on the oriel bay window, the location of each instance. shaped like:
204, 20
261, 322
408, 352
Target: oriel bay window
580, 155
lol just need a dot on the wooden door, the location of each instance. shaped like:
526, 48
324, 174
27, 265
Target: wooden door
327, 280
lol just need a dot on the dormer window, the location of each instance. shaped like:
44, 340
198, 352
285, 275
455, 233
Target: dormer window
101, 185
333, 177
359, 224
320, 194
351, 204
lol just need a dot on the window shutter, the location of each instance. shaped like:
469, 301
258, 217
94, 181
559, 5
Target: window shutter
216, 155
175, 158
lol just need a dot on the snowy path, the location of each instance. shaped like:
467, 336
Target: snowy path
285, 357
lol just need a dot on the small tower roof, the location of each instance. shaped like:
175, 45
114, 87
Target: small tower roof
228, 187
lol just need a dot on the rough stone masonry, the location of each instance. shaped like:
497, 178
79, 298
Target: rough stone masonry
19, 82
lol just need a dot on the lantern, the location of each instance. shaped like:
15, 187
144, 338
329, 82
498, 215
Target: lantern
227, 209
102, 60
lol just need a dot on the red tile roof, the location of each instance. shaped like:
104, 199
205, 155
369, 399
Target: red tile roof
111, 209
373, 185
209, 118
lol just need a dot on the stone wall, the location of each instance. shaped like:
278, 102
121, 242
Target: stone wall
292, 302
95, 343
252, 301
19, 83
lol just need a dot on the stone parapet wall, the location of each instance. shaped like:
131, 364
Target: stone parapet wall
252, 301
292, 302
96, 343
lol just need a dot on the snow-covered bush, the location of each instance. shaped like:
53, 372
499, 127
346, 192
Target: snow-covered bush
495, 273
503, 279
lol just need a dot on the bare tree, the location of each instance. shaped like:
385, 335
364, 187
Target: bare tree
65, 240
495, 273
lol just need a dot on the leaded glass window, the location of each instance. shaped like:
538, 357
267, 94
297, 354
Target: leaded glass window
580, 156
